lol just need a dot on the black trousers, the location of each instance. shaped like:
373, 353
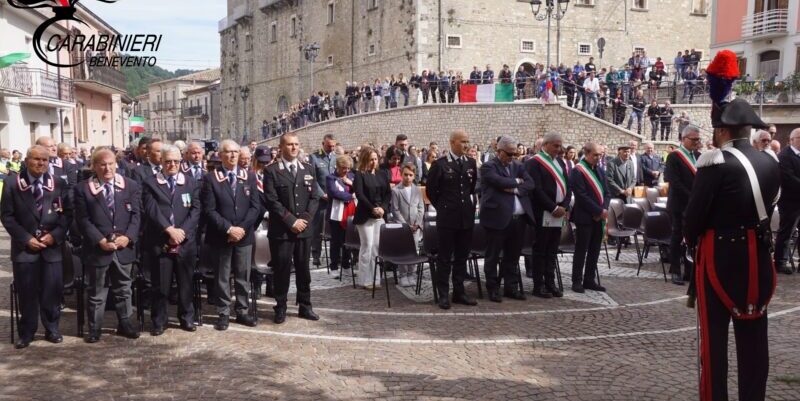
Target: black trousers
545, 252
290, 253
164, 266
339, 256
676, 246
425, 93
503, 247
666, 130
588, 238
316, 229
788, 221
454, 248
40, 287
752, 350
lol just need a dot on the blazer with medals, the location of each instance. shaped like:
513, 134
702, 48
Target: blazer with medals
19, 216
544, 194
591, 196
289, 198
224, 209
679, 172
497, 205
450, 189
159, 203
96, 221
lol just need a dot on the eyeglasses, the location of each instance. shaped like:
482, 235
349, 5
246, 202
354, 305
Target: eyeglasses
765, 140
694, 139
172, 161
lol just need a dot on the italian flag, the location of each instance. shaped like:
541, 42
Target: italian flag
137, 124
489, 93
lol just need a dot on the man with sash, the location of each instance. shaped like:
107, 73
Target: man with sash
172, 211
728, 218
589, 215
679, 173
551, 198
36, 213
107, 210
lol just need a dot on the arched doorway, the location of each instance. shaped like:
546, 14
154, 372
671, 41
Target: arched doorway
769, 64
283, 104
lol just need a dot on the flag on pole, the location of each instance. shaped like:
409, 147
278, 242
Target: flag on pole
488, 93
12, 58
137, 124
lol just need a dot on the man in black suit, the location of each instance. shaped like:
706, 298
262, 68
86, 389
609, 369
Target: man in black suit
789, 202
589, 214
450, 186
171, 211
230, 205
651, 166
107, 210
679, 172
151, 165
36, 212
70, 166
292, 201
57, 168
551, 198
193, 165
505, 213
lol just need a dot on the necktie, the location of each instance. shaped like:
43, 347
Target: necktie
293, 169
38, 195
109, 189
197, 172
171, 183
460, 162
158, 169
232, 181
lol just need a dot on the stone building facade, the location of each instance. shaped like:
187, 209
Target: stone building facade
261, 42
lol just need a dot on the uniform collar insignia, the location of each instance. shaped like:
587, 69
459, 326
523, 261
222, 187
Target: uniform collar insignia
221, 176
57, 162
48, 183
95, 187
180, 179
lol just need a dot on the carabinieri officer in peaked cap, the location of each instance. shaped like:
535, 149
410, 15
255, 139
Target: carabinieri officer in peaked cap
728, 217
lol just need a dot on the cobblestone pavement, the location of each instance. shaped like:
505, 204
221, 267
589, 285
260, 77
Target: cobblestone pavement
637, 342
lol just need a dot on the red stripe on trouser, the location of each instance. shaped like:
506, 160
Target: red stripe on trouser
752, 285
704, 252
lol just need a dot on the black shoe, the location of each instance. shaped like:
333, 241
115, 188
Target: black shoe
156, 331
280, 314
317, 262
92, 337
20, 344
553, 290
542, 292
784, 269
126, 329
53, 337
307, 313
222, 322
494, 296
444, 303
245, 320
334, 268
578, 288
463, 299
594, 287
677, 279
514, 294
188, 327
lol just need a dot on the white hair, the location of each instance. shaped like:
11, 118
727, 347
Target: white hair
181, 145
551, 137
689, 129
167, 149
506, 142
228, 143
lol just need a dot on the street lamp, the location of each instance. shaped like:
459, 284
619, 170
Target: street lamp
552, 9
311, 51
245, 92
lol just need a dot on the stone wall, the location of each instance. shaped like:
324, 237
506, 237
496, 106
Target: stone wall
435, 122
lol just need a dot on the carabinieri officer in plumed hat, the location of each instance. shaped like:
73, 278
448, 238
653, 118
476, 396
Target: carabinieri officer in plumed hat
727, 218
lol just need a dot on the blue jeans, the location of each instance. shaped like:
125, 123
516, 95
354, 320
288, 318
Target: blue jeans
590, 103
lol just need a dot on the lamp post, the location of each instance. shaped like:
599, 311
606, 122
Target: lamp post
245, 92
552, 9
311, 51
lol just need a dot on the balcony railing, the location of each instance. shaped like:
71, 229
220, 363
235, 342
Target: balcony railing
765, 24
194, 111
37, 83
164, 106
102, 74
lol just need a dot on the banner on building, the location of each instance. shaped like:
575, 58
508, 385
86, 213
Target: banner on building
488, 93
137, 125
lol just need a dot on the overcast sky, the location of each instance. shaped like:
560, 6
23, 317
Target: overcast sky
189, 27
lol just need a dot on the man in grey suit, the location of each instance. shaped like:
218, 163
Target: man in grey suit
620, 174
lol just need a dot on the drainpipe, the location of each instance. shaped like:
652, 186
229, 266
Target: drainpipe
352, 40
441, 44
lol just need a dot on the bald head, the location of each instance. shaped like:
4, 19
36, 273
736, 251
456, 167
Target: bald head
794, 138
459, 142
48, 143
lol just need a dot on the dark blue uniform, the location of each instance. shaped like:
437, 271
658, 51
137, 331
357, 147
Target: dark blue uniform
590, 201
37, 275
171, 202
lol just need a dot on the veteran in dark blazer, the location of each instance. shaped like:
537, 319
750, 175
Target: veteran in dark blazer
230, 206
652, 166
152, 165
292, 201
36, 213
108, 213
171, 203
550, 197
505, 213
589, 214
58, 168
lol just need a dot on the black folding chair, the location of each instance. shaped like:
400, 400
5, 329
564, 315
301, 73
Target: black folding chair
430, 245
615, 230
14, 309
397, 246
477, 251
527, 251
658, 231
352, 244
652, 195
325, 244
139, 292
633, 219
566, 245
260, 267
